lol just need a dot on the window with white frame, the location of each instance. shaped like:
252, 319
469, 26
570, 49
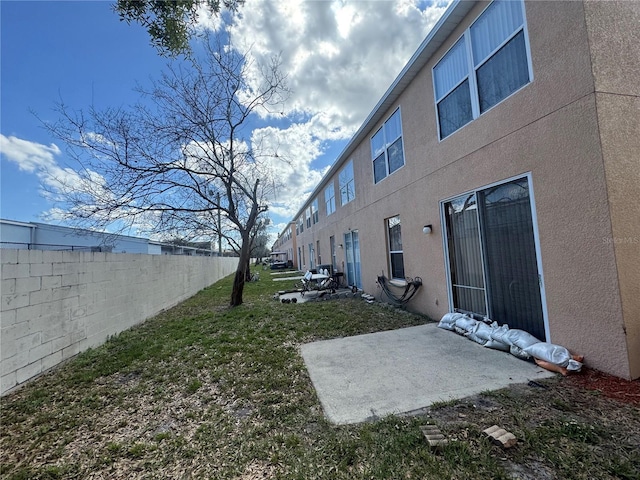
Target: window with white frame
347, 184
330, 199
486, 65
386, 148
307, 214
300, 225
396, 255
314, 211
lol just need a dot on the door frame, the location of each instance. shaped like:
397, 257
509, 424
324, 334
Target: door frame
536, 240
357, 281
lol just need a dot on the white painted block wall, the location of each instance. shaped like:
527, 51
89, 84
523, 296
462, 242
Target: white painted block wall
57, 304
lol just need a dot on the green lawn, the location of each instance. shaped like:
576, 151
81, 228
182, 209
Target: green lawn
205, 391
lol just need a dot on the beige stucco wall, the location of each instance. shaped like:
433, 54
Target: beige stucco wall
614, 39
550, 130
619, 121
614, 36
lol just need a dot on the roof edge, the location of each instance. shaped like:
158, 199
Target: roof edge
433, 40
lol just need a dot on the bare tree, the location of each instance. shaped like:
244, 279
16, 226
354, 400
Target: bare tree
179, 160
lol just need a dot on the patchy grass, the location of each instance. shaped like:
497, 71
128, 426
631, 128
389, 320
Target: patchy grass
205, 391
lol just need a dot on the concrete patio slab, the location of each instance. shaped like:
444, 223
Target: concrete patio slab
369, 376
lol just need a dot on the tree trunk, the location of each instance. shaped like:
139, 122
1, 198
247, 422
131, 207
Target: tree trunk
241, 274
247, 274
238, 287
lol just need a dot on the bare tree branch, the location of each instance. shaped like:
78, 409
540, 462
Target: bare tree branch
169, 164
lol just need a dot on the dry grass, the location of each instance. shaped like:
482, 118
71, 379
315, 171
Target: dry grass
204, 391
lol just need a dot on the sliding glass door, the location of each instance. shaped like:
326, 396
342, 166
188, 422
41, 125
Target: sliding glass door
492, 258
465, 255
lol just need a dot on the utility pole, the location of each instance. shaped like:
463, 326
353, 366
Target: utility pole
219, 229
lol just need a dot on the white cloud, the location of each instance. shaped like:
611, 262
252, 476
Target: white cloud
207, 20
28, 156
41, 160
56, 181
296, 146
339, 58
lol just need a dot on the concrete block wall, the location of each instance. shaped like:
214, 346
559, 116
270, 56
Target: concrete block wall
57, 304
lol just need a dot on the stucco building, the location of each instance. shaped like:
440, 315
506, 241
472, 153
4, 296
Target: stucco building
514, 134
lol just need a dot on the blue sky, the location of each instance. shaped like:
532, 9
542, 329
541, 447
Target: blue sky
77, 51
338, 59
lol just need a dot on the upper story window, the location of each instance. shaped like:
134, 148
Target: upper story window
300, 225
347, 184
314, 211
330, 199
307, 214
386, 148
486, 65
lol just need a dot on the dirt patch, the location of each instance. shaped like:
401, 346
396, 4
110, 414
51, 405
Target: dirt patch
562, 424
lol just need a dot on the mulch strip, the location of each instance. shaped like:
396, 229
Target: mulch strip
627, 391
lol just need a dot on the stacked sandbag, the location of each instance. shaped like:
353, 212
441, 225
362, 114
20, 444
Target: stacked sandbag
448, 321
517, 340
519, 343
465, 325
483, 334
479, 332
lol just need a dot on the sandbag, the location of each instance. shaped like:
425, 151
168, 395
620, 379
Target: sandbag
465, 324
549, 352
499, 333
497, 345
555, 354
514, 337
516, 351
481, 334
484, 331
521, 339
574, 365
448, 321
476, 336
